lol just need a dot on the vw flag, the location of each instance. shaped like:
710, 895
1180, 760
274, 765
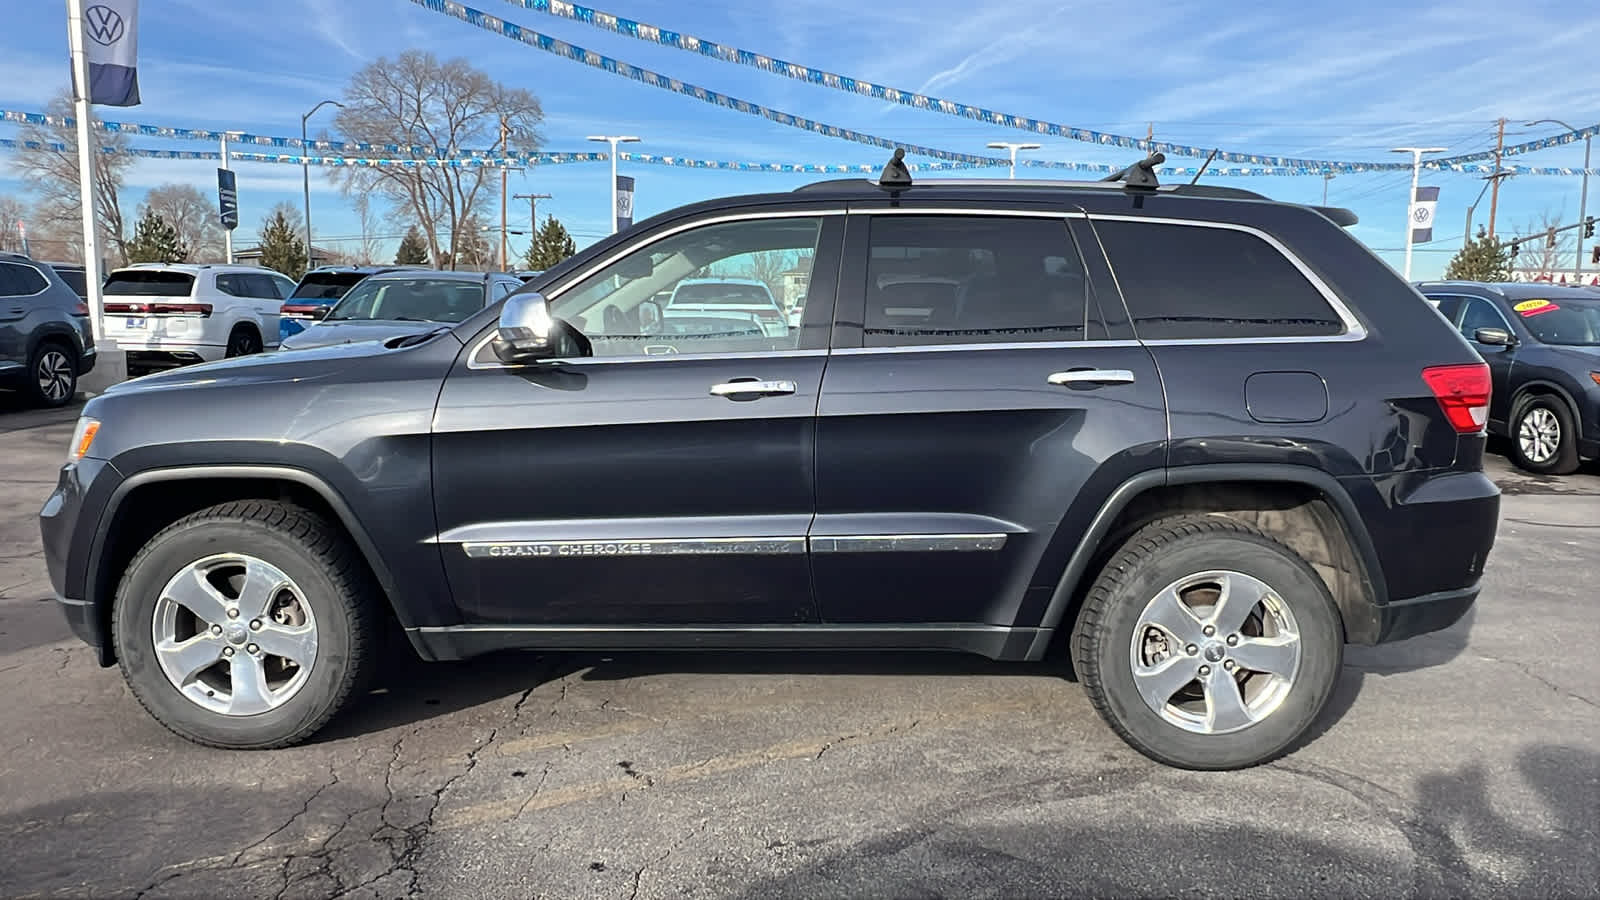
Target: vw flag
111, 43
624, 209
1422, 214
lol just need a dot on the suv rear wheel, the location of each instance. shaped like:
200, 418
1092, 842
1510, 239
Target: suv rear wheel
243, 341
1206, 644
246, 625
1543, 437
53, 374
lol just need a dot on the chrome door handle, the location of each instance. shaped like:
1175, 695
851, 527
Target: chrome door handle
752, 388
1092, 376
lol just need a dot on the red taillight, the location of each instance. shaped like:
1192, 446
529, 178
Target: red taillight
160, 308
82, 309
1462, 392
302, 310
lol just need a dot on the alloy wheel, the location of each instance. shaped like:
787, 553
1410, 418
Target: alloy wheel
234, 635
55, 375
1539, 435
1215, 652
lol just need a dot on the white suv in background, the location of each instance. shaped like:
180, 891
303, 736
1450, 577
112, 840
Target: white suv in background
171, 314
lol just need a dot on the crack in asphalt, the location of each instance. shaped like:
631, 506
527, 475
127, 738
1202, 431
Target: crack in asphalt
638, 874
1527, 670
333, 777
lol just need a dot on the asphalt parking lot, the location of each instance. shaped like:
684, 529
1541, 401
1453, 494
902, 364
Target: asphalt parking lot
1465, 763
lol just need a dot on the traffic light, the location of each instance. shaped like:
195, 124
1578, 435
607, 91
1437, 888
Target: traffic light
1588, 227
1550, 239
1515, 248
1596, 254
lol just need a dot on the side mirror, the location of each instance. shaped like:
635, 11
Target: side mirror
1494, 337
526, 331
322, 312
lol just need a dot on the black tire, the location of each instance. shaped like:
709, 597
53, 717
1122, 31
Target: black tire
52, 374
1549, 411
319, 560
243, 341
1162, 554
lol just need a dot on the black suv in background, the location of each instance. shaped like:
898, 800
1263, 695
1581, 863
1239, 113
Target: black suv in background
1542, 344
1201, 439
45, 338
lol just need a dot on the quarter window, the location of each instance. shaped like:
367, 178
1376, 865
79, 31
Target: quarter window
1199, 283
972, 279
721, 288
233, 285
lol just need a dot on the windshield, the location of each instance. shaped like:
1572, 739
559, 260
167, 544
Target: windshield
326, 285
149, 283
410, 299
1567, 320
721, 293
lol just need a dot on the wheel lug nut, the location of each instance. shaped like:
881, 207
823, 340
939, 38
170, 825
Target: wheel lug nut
1233, 640
1228, 664
1209, 630
216, 629
227, 651
255, 625
1191, 649
1205, 670
253, 648
233, 614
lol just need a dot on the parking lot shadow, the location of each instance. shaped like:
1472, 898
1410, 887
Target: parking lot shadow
1457, 843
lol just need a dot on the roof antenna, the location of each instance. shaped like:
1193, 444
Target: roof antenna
895, 175
1204, 166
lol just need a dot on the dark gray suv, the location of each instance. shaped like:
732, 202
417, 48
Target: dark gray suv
45, 339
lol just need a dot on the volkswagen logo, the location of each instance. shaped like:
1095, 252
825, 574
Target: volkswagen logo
103, 24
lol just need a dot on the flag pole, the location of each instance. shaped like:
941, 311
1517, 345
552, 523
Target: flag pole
80, 109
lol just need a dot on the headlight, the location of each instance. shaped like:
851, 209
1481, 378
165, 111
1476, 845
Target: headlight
82, 438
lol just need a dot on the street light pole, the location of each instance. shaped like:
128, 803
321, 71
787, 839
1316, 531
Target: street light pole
1007, 145
305, 171
1326, 177
1583, 197
1411, 199
614, 140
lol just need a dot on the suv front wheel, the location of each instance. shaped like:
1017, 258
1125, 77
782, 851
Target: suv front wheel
1543, 437
1206, 644
247, 625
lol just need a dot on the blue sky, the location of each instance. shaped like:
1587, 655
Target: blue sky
1343, 81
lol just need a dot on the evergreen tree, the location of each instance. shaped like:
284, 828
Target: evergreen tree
550, 246
1482, 259
282, 249
154, 240
413, 250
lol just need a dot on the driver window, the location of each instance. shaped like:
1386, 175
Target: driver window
730, 287
1480, 313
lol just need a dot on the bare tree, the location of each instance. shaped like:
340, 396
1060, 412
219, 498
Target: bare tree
1538, 257
366, 252
12, 211
443, 107
190, 212
51, 169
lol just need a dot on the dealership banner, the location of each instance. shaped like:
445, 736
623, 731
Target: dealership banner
1422, 208
110, 41
624, 202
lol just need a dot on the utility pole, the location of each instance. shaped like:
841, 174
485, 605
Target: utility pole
1494, 192
1326, 177
1411, 199
504, 130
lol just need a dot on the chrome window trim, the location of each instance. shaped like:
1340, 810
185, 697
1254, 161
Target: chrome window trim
28, 265
1021, 345
1001, 212
1354, 330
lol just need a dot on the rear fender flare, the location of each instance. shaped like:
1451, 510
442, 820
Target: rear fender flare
1100, 526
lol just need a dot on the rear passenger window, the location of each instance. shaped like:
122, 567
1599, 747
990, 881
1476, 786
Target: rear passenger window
232, 285
972, 279
20, 281
1197, 282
